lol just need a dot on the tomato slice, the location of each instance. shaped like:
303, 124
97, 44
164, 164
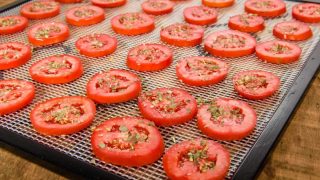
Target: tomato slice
218, 3
149, 57
13, 54
132, 24
278, 52
183, 35
250, 23
114, 86
226, 119
265, 8
85, 15
63, 115
14, 95
255, 84
12, 24
127, 141
167, 106
307, 12
48, 33
157, 7
56, 69
230, 43
40, 9
196, 159
96, 45
200, 15
292, 30
69, 1
108, 3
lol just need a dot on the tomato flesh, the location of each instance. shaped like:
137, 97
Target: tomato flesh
265, 8
218, 3
13, 54
12, 24
40, 9
157, 7
85, 15
307, 12
108, 3
200, 15
250, 23
292, 30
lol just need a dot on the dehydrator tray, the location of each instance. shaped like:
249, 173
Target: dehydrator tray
73, 152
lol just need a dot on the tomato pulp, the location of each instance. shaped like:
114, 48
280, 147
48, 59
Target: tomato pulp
307, 12
200, 15
250, 23
12, 24
14, 54
265, 8
85, 15
40, 9
157, 7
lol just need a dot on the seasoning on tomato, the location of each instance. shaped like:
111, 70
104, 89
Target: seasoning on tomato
40, 9
63, 115
14, 95
218, 3
157, 7
12, 24
256, 84
114, 86
183, 35
14, 54
230, 43
96, 45
149, 57
132, 24
85, 15
278, 52
127, 141
108, 3
200, 15
246, 22
48, 33
307, 12
167, 106
56, 69
265, 8
292, 30
196, 159
69, 1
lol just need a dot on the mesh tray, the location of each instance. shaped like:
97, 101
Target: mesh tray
77, 146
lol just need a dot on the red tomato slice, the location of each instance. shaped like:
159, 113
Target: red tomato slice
307, 12
96, 45
265, 8
292, 30
48, 33
201, 71
108, 3
149, 57
14, 95
167, 106
200, 15
85, 15
40, 9
114, 86
12, 24
183, 35
13, 54
278, 52
256, 84
69, 1
226, 119
250, 23
230, 43
218, 3
132, 24
196, 159
127, 141
157, 7
57, 69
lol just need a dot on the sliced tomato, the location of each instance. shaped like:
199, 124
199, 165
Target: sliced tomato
132, 24
48, 33
56, 69
96, 45
69, 1
40, 9
196, 159
278, 52
200, 15
127, 141
218, 3
12, 24
307, 12
14, 54
230, 43
149, 57
250, 23
157, 7
265, 8
108, 3
255, 84
14, 95
183, 35
85, 15
292, 30
167, 106
114, 86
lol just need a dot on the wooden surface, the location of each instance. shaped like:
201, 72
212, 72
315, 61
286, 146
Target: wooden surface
296, 156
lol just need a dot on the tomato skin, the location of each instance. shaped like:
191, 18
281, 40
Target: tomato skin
308, 18
24, 55
21, 24
257, 25
26, 10
304, 32
266, 11
218, 3
69, 1
96, 18
104, 4
149, 9
171, 161
26, 91
204, 11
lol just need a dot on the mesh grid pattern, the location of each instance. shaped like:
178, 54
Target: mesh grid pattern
78, 145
